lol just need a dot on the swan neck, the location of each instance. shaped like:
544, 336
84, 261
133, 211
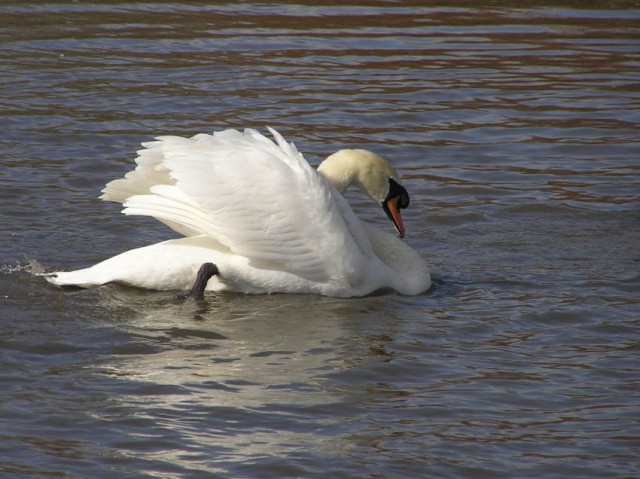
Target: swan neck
340, 171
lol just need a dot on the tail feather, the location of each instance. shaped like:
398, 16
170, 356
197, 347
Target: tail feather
82, 278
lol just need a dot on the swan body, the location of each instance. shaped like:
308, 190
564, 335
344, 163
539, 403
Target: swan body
267, 219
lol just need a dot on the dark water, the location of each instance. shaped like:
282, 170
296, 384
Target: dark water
516, 128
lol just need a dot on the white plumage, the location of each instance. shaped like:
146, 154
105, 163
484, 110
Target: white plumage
263, 215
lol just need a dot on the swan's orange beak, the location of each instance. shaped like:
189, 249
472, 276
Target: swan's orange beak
392, 208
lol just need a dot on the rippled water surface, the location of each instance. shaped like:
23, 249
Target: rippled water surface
516, 130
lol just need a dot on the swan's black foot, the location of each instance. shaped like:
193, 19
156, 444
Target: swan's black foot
206, 271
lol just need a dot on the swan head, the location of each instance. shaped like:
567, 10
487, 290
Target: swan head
373, 175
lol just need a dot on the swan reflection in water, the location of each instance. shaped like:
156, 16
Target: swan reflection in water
247, 374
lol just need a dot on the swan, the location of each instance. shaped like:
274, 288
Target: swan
257, 218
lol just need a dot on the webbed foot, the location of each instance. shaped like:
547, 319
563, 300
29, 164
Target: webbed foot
206, 271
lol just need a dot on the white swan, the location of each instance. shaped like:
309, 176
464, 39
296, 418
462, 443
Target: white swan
263, 216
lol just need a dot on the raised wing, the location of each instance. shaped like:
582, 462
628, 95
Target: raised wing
260, 199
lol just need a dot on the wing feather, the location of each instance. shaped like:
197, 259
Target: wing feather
260, 199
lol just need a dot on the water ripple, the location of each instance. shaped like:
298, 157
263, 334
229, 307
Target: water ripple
516, 131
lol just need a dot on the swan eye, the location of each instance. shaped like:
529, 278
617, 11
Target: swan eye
404, 200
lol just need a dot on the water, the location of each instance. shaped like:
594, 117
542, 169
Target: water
516, 129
